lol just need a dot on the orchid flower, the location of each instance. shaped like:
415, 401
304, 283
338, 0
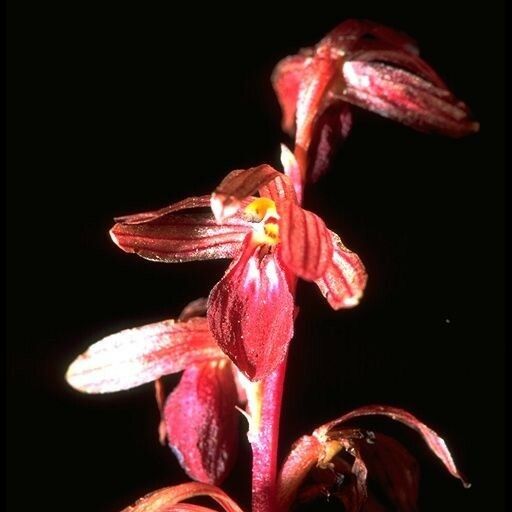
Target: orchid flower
272, 241
367, 65
341, 460
199, 417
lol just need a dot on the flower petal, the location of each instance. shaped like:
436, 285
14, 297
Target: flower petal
302, 458
406, 97
286, 79
333, 127
306, 245
250, 312
394, 469
292, 170
136, 356
173, 238
434, 442
163, 499
344, 280
239, 185
201, 420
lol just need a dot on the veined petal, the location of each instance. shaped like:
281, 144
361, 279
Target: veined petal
136, 356
434, 442
332, 128
201, 420
250, 312
239, 185
174, 238
303, 457
306, 245
344, 280
406, 97
169, 498
286, 80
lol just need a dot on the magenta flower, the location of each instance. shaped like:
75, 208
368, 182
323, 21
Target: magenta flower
272, 241
368, 65
340, 460
199, 417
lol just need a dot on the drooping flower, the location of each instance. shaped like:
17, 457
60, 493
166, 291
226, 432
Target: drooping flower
272, 241
368, 65
199, 417
350, 463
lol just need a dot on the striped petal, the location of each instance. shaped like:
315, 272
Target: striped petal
406, 97
170, 237
250, 312
136, 356
344, 279
306, 245
240, 184
170, 499
436, 444
201, 420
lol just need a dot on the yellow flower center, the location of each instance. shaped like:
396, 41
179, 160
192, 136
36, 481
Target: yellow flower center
262, 211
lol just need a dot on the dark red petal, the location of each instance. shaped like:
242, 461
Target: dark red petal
136, 356
201, 421
169, 498
286, 79
306, 245
239, 185
174, 238
185, 204
406, 97
250, 311
344, 281
434, 442
332, 128
393, 468
303, 457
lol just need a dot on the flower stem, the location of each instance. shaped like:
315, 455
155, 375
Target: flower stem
264, 443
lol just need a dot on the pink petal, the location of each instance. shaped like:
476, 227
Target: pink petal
306, 245
406, 97
169, 498
136, 356
174, 238
344, 281
302, 458
237, 186
202, 421
292, 170
320, 76
195, 308
286, 79
434, 442
333, 127
250, 311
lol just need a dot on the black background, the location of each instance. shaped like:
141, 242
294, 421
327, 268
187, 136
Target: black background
114, 109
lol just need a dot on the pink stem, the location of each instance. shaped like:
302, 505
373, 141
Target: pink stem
265, 443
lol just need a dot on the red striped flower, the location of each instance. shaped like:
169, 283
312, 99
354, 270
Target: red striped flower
368, 65
199, 417
272, 241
